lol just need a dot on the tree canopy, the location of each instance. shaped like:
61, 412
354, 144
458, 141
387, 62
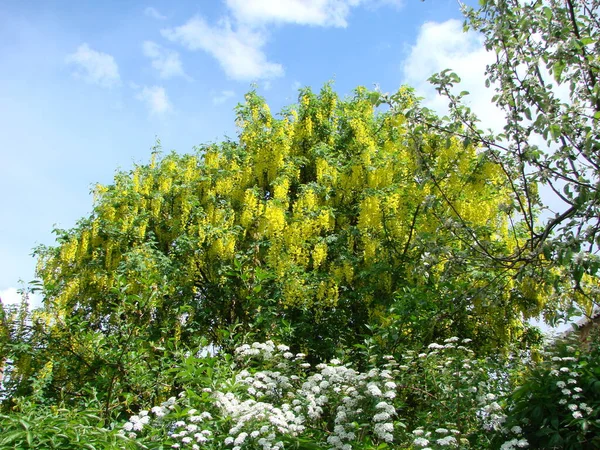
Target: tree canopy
336, 221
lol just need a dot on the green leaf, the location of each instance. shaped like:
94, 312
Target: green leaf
11, 437
374, 98
557, 69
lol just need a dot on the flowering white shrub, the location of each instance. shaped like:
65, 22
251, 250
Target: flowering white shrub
269, 398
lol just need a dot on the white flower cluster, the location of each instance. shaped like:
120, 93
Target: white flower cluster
568, 386
334, 389
272, 398
492, 415
443, 437
516, 442
265, 383
188, 433
266, 351
136, 423
348, 395
464, 382
257, 422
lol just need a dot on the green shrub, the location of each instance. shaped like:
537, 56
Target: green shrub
33, 426
557, 405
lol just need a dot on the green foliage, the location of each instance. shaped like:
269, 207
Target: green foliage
267, 397
32, 426
17, 346
557, 405
122, 366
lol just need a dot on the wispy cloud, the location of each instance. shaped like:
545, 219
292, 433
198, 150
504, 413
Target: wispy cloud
303, 12
324, 13
222, 97
156, 99
238, 40
166, 62
239, 52
153, 12
95, 67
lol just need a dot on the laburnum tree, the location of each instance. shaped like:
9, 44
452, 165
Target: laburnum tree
337, 220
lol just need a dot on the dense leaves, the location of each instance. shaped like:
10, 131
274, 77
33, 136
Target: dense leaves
557, 404
327, 210
33, 426
268, 397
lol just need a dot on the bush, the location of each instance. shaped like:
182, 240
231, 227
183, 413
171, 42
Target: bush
266, 397
32, 426
557, 404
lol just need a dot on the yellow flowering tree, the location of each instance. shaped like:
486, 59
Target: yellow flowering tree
331, 221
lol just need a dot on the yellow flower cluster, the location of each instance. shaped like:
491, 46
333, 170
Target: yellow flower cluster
370, 217
319, 254
273, 222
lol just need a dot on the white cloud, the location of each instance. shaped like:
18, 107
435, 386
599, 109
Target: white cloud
325, 13
153, 12
239, 48
442, 46
239, 51
303, 12
95, 67
166, 62
222, 97
392, 3
156, 99
11, 296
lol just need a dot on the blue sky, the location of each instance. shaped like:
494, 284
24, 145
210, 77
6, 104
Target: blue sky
87, 86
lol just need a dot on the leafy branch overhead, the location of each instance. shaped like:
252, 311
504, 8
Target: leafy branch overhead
546, 80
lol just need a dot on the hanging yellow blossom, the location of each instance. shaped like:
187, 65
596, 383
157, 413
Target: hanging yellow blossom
330, 204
